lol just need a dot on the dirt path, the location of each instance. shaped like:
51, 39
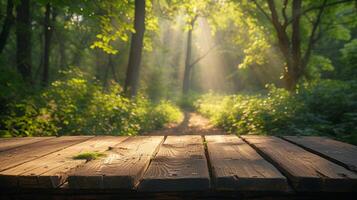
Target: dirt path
192, 124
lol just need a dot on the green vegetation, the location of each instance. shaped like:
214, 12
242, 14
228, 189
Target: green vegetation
325, 108
122, 67
88, 156
76, 104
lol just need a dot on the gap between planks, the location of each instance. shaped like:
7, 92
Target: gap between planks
209, 164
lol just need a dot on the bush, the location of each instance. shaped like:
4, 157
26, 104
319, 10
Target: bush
349, 59
163, 113
321, 108
12, 88
77, 104
187, 101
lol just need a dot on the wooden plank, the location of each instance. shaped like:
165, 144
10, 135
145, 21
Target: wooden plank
122, 168
237, 166
306, 171
180, 165
341, 153
11, 143
20, 155
52, 170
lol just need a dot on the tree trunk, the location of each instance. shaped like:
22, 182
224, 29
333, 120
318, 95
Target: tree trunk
295, 69
47, 44
8, 22
23, 39
187, 73
133, 71
291, 53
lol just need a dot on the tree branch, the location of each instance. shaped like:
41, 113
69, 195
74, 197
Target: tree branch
202, 56
283, 11
312, 39
262, 10
319, 7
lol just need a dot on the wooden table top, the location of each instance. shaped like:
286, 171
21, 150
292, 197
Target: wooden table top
185, 163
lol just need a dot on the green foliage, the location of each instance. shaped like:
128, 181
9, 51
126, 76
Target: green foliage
12, 87
113, 26
116, 23
77, 104
163, 113
88, 156
317, 65
349, 58
321, 108
187, 101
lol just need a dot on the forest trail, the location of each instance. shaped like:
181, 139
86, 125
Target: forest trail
192, 124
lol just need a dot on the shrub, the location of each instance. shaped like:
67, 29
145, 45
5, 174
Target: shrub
77, 104
187, 101
321, 108
349, 59
163, 113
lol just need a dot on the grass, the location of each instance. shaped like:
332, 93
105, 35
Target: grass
88, 156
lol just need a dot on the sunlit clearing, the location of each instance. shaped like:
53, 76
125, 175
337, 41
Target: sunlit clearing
208, 74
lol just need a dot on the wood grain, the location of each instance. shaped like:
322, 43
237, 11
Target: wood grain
306, 171
180, 165
23, 154
237, 166
122, 168
342, 153
10, 143
52, 170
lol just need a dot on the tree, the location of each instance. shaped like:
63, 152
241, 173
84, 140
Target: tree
188, 63
187, 72
48, 29
192, 11
132, 75
8, 22
23, 38
290, 42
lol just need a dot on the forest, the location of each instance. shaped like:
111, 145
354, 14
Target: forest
125, 67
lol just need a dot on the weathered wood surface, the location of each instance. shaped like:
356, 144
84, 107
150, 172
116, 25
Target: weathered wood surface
237, 166
180, 165
122, 168
52, 170
339, 152
10, 143
23, 154
306, 171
